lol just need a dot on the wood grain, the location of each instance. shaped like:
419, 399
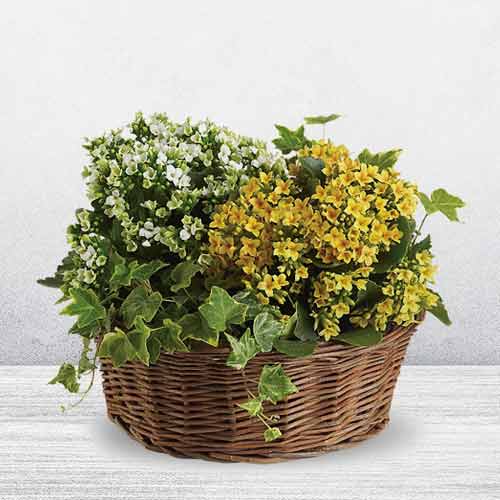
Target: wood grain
443, 443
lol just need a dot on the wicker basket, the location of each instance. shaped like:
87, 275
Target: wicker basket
186, 404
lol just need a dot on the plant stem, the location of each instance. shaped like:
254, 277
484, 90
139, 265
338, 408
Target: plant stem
419, 230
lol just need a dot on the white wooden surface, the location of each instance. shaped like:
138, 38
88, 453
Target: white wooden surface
443, 443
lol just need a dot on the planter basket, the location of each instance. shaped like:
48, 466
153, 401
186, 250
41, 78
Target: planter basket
186, 404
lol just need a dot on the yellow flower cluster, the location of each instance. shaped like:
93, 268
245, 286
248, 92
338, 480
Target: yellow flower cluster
405, 294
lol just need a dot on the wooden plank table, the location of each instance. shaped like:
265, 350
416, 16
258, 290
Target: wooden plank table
443, 443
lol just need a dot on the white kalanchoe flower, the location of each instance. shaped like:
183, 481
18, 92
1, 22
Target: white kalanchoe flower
184, 234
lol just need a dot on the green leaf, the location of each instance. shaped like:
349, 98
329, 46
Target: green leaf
290, 140
194, 326
360, 337
442, 201
169, 336
84, 364
140, 303
383, 160
440, 312
85, 305
399, 250
420, 246
243, 350
295, 348
304, 327
67, 377
272, 434
145, 271
266, 329
252, 406
154, 348
120, 277
313, 166
248, 298
321, 119
57, 280
139, 339
274, 384
182, 274
221, 310
51, 281
116, 345
370, 295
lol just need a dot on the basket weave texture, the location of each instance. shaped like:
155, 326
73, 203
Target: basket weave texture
186, 404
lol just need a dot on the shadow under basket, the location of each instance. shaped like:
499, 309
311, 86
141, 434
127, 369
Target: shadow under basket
186, 404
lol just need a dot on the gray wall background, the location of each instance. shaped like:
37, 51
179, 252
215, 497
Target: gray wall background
421, 75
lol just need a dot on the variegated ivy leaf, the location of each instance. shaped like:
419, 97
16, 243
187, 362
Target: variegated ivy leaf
321, 119
295, 348
360, 337
67, 376
442, 201
274, 384
266, 329
86, 306
243, 350
221, 310
182, 275
141, 303
272, 434
194, 326
123, 273
138, 337
383, 160
84, 364
169, 336
117, 346
252, 406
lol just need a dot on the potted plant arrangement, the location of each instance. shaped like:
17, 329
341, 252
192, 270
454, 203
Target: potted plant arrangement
243, 303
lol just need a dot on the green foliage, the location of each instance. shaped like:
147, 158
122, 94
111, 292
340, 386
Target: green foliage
266, 329
254, 307
295, 348
138, 337
86, 306
370, 295
321, 119
274, 384
290, 140
440, 312
124, 274
117, 346
67, 376
313, 166
194, 326
398, 251
271, 434
383, 160
420, 246
304, 324
361, 337
140, 303
221, 310
169, 337
243, 350
85, 365
182, 274
442, 201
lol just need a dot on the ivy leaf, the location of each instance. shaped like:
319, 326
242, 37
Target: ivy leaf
57, 280
295, 348
85, 305
440, 312
243, 350
169, 336
84, 364
442, 201
383, 160
194, 326
304, 327
271, 434
274, 384
221, 310
399, 250
182, 274
120, 277
144, 271
420, 246
252, 406
361, 337
321, 119
140, 303
248, 298
116, 345
370, 295
139, 339
290, 140
266, 329
67, 377
154, 349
